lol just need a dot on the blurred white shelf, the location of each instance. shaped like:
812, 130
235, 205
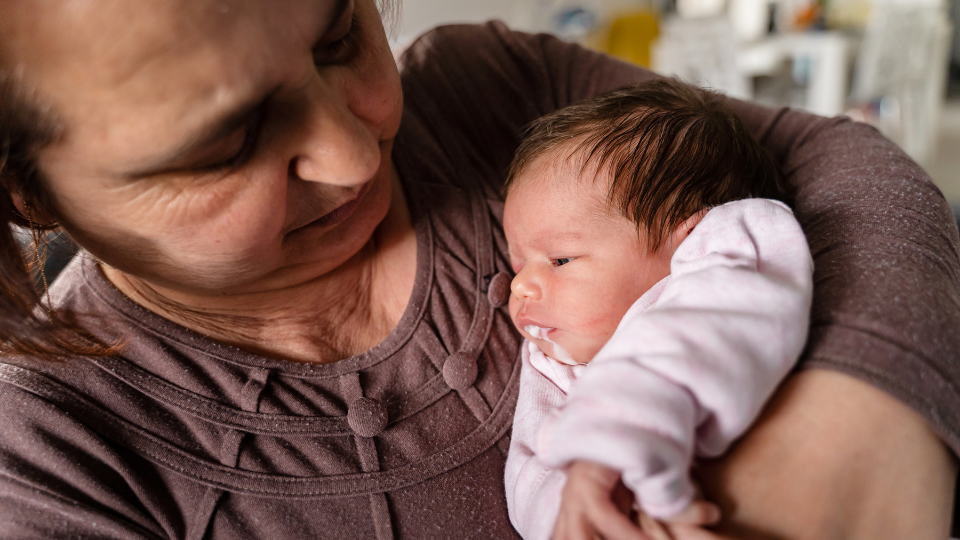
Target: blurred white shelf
825, 55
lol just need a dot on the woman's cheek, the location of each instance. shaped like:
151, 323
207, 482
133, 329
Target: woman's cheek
246, 233
229, 223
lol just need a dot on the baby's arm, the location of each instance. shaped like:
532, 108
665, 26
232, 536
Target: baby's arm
593, 497
691, 373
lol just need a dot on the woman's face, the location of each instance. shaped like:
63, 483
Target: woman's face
212, 146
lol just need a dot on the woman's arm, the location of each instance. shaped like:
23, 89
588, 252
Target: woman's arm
834, 458
886, 302
857, 449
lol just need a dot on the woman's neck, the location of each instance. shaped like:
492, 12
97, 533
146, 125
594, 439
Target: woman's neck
335, 316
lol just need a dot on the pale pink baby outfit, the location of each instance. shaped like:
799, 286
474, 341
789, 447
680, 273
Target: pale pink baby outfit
686, 372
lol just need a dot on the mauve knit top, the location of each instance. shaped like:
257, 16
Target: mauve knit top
182, 437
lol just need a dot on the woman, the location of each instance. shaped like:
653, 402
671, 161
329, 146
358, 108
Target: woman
292, 300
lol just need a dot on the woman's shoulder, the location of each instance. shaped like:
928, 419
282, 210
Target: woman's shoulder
466, 102
470, 91
469, 45
61, 477
492, 52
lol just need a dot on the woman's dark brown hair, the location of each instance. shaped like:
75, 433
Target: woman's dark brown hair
668, 149
26, 327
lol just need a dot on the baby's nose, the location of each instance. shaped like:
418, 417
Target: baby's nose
524, 286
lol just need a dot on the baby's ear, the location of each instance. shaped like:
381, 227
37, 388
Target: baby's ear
686, 227
680, 233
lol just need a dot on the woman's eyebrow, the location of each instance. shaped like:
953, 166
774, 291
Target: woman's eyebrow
214, 131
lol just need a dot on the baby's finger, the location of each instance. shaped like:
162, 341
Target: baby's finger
692, 532
698, 513
653, 528
613, 525
572, 527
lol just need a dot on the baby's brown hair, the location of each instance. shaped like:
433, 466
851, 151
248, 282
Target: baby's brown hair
669, 149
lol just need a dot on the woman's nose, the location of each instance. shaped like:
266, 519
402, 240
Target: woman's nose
525, 286
334, 146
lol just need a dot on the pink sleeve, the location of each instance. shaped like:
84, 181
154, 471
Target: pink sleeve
533, 489
690, 374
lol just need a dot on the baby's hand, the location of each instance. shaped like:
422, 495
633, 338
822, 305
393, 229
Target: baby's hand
595, 504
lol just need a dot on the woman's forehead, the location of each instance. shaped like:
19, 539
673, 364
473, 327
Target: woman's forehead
64, 45
152, 70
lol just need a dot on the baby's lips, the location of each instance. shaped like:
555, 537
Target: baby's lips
531, 326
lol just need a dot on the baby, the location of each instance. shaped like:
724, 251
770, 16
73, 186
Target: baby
647, 240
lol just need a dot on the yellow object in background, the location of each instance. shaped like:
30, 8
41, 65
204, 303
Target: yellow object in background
848, 13
631, 35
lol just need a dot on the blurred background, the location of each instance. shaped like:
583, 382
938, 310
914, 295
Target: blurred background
892, 63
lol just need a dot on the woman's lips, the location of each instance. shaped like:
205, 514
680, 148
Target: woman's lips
338, 214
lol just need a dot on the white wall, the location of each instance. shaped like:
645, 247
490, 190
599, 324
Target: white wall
418, 16
955, 17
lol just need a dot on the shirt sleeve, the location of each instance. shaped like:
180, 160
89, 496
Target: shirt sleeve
533, 489
58, 478
690, 374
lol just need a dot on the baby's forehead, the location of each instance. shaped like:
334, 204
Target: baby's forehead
557, 195
566, 168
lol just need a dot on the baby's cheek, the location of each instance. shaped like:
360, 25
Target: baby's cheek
596, 330
583, 347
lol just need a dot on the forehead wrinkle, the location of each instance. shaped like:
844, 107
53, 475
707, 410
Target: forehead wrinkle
193, 31
61, 31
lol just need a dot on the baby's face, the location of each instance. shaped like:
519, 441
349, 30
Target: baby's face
579, 265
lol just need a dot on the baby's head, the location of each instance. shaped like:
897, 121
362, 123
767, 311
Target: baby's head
601, 193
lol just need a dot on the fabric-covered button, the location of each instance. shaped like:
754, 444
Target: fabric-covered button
498, 292
367, 417
460, 371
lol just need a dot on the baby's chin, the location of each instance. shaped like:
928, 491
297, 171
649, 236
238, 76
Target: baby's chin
559, 354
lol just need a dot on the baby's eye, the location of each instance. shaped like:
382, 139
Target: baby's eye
562, 261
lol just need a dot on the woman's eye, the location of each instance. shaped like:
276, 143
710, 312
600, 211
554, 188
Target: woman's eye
246, 139
340, 49
562, 261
